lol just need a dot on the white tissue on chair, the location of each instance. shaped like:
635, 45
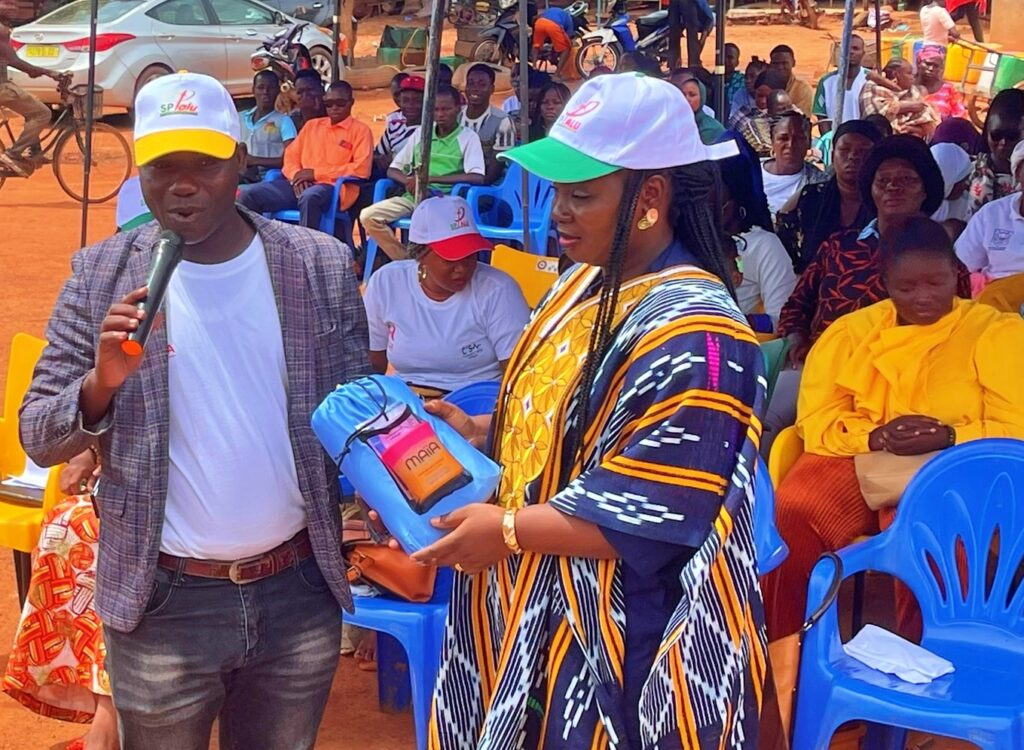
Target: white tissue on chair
889, 653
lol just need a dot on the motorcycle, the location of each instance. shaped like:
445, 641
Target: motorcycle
500, 44
607, 45
282, 54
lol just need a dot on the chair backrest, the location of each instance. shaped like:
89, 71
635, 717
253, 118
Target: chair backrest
770, 547
786, 449
476, 399
25, 352
540, 193
958, 543
535, 274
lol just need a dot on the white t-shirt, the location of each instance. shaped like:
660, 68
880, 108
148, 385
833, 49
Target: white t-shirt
446, 344
779, 188
768, 277
851, 100
232, 487
993, 241
935, 24
494, 127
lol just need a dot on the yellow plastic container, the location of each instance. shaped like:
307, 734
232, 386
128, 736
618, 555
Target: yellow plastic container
959, 56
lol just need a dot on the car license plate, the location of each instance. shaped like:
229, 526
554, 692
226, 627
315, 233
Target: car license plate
42, 50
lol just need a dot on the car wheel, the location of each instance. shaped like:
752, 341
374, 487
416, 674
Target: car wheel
147, 75
322, 64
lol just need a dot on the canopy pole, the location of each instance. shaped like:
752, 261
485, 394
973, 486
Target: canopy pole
524, 110
427, 118
844, 63
336, 55
89, 100
878, 36
720, 103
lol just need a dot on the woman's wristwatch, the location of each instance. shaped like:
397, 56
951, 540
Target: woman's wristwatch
508, 531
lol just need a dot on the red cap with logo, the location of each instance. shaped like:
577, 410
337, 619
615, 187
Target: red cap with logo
445, 225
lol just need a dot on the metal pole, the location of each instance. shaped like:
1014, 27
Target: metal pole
878, 36
719, 105
844, 61
89, 99
427, 119
524, 110
336, 55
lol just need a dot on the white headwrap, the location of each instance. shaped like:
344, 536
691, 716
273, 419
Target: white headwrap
1016, 158
954, 163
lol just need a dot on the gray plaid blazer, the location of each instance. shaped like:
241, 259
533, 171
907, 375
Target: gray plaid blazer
325, 342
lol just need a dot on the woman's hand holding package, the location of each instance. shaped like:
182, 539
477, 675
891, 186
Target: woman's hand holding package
474, 542
473, 429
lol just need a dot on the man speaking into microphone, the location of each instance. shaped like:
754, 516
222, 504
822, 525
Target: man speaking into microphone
219, 571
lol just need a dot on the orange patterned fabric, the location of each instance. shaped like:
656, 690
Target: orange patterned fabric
57, 666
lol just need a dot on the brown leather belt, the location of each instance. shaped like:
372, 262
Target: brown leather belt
250, 569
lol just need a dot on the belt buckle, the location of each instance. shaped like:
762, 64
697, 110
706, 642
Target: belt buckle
262, 563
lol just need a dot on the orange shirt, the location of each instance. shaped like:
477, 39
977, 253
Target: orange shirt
332, 151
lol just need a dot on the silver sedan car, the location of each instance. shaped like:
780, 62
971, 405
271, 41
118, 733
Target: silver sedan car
138, 40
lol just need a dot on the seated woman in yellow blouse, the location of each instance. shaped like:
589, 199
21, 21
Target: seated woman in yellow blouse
919, 372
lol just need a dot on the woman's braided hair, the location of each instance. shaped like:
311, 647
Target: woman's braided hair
695, 216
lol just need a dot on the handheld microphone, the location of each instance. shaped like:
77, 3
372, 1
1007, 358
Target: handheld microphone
166, 256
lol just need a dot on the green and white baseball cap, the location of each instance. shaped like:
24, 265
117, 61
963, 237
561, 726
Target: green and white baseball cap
613, 122
132, 210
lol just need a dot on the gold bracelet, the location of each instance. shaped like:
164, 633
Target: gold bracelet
508, 531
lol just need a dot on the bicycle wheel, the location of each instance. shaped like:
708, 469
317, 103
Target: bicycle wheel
111, 162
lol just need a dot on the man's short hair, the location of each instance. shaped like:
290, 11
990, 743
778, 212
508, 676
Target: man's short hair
782, 49
771, 78
397, 78
343, 86
485, 69
310, 75
446, 90
732, 45
267, 73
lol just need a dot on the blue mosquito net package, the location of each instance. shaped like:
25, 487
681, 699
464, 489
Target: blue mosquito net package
408, 465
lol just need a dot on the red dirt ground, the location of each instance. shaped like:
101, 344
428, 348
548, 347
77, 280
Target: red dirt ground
39, 231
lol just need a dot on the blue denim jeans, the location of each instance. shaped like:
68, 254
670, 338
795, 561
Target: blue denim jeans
278, 195
259, 656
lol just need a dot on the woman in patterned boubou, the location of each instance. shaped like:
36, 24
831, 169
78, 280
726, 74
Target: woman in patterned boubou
56, 667
608, 597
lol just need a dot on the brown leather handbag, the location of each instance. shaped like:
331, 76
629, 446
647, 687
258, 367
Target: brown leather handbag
390, 570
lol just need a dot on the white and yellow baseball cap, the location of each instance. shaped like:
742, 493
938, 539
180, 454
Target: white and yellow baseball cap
613, 122
185, 112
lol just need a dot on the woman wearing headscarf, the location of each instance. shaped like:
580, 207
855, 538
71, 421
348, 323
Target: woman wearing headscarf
943, 96
696, 95
955, 165
961, 132
824, 208
899, 179
612, 582
991, 178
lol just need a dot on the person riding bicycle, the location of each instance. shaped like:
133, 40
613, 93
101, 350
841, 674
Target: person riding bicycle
15, 98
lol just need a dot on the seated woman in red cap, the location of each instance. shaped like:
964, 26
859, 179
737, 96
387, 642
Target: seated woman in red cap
440, 319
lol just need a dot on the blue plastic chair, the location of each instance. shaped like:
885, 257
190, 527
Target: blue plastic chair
329, 217
420, 627
509, 191
969, 498
476, 398
771, 549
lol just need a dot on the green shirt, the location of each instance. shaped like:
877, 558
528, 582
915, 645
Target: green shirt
456, 153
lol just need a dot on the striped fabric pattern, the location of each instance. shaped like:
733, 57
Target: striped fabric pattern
534, 654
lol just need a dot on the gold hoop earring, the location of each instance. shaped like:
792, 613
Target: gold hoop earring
422, 273
649, 220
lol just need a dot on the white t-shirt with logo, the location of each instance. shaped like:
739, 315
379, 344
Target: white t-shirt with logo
993, 242
232, 487
447, 344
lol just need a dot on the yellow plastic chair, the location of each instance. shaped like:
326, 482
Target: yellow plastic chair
535, 274
1006, 295
21, 509
786, 449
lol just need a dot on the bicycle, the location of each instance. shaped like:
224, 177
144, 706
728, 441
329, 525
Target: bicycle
63, 146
